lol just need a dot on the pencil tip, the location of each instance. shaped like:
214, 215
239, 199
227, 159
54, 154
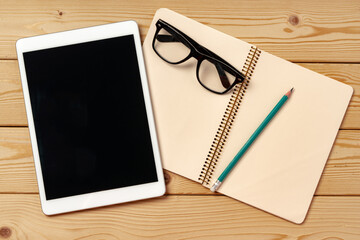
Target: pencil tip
289, 92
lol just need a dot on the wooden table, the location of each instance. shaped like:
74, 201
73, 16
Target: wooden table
321, 35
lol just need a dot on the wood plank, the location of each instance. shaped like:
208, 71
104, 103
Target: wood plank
11, 97
179, 217
17, 170
17, 175
302, 31
13, 109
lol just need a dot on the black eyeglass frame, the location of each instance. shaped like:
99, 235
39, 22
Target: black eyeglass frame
199, 52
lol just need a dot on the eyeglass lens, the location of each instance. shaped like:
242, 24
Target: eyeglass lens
170, 48
214, 77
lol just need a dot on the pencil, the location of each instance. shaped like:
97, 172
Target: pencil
238, 156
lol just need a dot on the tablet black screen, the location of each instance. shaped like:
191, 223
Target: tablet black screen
89, 115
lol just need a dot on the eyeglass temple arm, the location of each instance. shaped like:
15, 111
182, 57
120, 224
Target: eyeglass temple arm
166, 38
224, 79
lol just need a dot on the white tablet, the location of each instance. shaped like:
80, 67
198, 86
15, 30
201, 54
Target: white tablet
90, 117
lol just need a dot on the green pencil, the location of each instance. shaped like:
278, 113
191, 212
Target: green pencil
250, 141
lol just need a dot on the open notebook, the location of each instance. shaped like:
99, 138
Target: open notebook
200, 132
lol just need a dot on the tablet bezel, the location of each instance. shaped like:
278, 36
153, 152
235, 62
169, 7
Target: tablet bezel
106, 197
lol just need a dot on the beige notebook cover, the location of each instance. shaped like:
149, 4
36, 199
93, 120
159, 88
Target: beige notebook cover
281, 170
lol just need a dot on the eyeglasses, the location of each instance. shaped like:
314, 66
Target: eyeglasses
212, 72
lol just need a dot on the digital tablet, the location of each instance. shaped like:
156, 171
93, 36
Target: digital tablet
90, 117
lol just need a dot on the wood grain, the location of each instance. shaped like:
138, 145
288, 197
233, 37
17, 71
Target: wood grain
302, 31
17, 174
180, 217
13, 110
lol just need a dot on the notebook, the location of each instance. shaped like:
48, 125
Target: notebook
200, 132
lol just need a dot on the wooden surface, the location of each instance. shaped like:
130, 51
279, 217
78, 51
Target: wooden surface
323, 36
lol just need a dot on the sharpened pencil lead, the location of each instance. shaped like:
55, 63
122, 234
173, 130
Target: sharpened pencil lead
289, 92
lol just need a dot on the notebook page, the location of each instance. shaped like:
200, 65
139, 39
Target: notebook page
186, 114
280, 171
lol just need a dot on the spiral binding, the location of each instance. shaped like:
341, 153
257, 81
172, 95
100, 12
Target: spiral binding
228, 118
